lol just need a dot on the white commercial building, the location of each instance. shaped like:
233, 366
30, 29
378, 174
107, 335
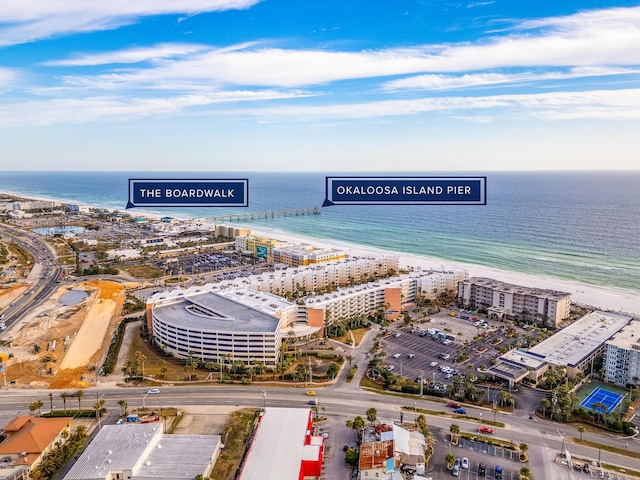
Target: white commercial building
214, 323
503, 300
284, 447
573, 347
144, 452
622, 356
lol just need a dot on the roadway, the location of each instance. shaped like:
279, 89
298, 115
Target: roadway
44, 259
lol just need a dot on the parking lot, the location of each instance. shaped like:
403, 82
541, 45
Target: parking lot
477, 454
412, 354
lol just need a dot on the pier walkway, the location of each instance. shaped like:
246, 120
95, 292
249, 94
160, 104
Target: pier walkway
269, 214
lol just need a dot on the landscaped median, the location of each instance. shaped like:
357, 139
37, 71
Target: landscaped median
462, 417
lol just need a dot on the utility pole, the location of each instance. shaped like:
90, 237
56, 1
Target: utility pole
421, 381
310, 374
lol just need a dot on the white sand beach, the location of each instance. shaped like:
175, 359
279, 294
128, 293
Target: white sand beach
600, 297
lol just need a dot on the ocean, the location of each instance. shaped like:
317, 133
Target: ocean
581, 226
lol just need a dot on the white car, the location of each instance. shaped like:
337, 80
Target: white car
154, 390
324, 435
433, 364
465, 463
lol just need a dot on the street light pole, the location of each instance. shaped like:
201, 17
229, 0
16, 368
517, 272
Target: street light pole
264, 399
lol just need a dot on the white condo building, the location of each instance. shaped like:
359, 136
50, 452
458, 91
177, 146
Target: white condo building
504, 300
622, 356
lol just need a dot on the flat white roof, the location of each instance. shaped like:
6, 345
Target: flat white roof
573, 344
628, 338
130, 447
278, 448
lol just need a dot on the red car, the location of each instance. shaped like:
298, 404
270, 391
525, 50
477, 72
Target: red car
453, 404
486, 430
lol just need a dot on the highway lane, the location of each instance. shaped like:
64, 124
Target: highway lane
44, 258
334, 402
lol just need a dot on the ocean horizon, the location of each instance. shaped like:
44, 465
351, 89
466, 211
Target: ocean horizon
579, 226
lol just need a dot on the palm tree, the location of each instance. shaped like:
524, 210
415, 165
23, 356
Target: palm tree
99, 408
81, 431
545, 403
455, 431
421, 422
523, 452
581, 430
79, 395
123, 407
372, 415
38, 404
141, 357
449, 458
525, 472
163, 368
64, 396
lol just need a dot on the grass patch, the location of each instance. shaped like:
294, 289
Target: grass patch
607, 448
20, 253
176, 280
144, 271
624, 471
368, 383
237, 434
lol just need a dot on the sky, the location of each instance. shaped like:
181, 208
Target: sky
319, 85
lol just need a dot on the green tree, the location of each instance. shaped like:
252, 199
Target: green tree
523, 451
449, 458
372, 415
123, 407
141, 358
163, 368
64, 396
421, 422
351, 457
545, 404
580, 430
525, 472
79, 395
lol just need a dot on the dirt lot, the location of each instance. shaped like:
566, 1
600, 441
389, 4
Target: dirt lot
204, 420
80, 332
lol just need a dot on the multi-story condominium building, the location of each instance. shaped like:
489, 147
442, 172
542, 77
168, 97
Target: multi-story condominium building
622, 356
574, 347
503, 300
302, 255
231, 232
261, 247
213, 323
323, 277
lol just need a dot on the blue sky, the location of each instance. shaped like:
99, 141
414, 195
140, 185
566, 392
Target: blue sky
321, 85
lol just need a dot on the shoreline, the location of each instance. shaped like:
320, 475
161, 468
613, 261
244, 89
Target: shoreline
600, 297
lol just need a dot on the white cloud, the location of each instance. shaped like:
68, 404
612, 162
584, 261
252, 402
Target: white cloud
566, 42
446, 82
131, 55
49, 112
29, 20
611, 104
7, 77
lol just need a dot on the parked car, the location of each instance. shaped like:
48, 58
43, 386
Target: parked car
465, 463
456, 471
482, 470
461, 411
498, 475
433, 364
585, 468
324, 435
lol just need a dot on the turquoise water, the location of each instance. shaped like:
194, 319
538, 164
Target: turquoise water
582, 226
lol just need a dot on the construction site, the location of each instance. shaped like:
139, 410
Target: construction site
62, 343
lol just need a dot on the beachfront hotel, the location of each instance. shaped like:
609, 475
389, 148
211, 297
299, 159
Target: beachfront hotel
514, 302
222, 325
322, 277
574, 347
622, 356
